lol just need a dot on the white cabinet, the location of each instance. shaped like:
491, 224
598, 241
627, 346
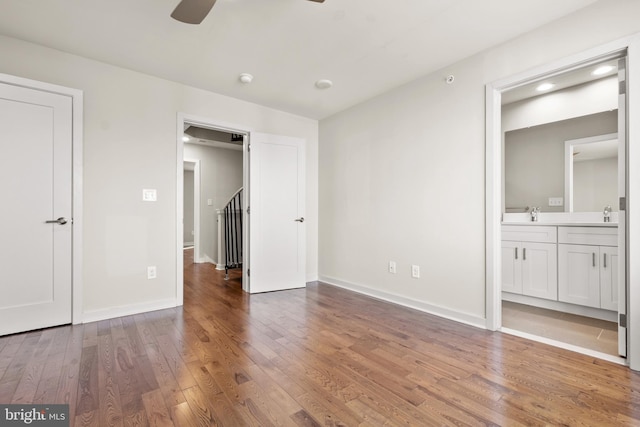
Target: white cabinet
609, 278
529, 261
588, 266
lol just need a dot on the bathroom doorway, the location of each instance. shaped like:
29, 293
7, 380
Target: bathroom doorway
538, 265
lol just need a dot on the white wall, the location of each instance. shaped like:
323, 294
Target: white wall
595, 185
130, 144
220, 178
402, 175
578, 101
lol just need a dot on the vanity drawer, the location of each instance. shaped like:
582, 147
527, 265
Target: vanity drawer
601, 236
530, 233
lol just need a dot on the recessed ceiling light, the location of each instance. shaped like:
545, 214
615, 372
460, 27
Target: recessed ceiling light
245, 78
544, 86
185, 138
602, 70
324, 84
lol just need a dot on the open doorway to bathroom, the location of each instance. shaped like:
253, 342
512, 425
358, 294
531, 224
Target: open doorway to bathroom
562, 232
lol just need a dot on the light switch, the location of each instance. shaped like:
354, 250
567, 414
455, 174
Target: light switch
209, 202
149, 195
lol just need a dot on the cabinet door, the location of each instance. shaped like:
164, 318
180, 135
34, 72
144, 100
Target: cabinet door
511, 267
540, 270
609, 278
579, 274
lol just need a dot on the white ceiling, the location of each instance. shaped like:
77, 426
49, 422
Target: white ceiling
365, 47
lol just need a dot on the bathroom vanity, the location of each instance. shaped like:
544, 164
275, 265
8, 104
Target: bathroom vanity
562, 264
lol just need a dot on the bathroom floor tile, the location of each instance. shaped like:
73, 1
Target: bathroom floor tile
586, 332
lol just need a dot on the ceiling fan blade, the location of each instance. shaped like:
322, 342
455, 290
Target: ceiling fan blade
192, 11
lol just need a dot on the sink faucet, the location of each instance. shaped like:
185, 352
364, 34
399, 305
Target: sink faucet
607, 213
535, 212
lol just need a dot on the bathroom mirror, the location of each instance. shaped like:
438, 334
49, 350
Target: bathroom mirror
537, 122
591, 173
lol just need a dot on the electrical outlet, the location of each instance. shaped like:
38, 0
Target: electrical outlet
415, 271
392, 267
556, 201
151, 272
149, 195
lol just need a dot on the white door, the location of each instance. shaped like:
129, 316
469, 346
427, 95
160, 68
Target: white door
35, 187
277, 237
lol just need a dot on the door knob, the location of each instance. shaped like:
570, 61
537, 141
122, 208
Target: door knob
301, 219
61, 221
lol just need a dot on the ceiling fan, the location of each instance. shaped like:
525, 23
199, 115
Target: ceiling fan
194, 11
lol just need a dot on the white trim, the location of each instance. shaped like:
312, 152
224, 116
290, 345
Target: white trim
456, 316
196, 207
494, 171
77, 174
128, 310
207, 258
633, 202
586, 351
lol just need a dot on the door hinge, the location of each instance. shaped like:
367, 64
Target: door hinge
623, 203
248, 210
249, 272
623, 320
622, 87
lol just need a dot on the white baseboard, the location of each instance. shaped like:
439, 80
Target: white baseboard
127, 310
205, 258
443, 312
187, 244
220, 266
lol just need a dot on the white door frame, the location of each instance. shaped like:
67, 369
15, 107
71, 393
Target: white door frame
76, 96
225, 127
493, 180
196, 207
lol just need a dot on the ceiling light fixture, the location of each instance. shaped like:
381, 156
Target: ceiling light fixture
185, 138
245, 78
604, 69
324, 84
545, 86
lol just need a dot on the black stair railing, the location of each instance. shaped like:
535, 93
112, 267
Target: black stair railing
232, 216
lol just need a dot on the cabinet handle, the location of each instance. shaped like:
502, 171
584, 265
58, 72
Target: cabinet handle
516, 253
604, 256
593, 258
524, 254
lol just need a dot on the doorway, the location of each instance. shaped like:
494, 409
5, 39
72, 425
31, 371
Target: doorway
523, 109
213, 176
273, 180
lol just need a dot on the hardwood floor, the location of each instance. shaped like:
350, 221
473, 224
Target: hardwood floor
319, 356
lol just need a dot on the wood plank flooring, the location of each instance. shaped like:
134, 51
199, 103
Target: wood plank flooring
319, 356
